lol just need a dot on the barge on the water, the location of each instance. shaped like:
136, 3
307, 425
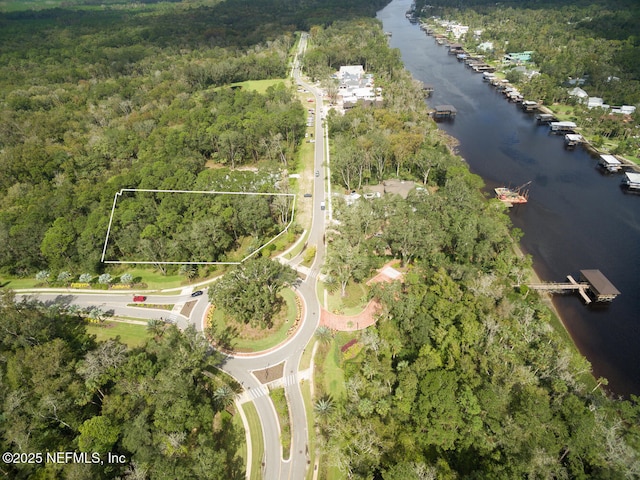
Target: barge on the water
512, 196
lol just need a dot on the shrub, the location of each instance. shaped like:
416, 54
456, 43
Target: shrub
85, 278
43, 275
105, 279
64, 277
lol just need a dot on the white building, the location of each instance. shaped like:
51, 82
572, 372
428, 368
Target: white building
356, 86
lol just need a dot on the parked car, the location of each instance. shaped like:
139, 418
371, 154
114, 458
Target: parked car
139, 298
307, 195
197, 293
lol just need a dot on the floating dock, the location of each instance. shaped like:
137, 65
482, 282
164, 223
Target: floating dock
592, 287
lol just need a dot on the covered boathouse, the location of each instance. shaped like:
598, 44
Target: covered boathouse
631, 181
444, 111
600, 288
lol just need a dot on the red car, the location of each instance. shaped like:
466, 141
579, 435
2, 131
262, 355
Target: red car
139, 298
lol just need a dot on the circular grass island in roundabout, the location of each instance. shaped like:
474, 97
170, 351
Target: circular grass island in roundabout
234, 337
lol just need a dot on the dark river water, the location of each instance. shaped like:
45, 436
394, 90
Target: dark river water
576, 218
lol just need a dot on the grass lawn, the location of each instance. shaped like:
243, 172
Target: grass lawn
155, 280
17, 283
563, 112
257, 440
260, 86
298, 248
130, 334
258, 339
236, 420
357, 297
305, 388
329, 375
280, 403
305, 361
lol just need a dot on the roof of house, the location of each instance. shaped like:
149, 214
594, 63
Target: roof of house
355, 70
578, 92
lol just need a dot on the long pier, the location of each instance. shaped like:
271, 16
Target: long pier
572, 285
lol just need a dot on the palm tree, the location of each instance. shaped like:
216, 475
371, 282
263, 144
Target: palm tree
224, 396
324, 334
324, 406
156, 327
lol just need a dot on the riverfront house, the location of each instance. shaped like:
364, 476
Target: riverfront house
356, 86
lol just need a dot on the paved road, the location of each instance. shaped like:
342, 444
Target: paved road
115, 304
291, 353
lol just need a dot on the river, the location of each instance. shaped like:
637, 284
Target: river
576, 218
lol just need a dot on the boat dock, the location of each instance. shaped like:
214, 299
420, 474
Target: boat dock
592, 287
427, 89
631, 182
610, 163
563, 127
444, 112
572, 139
545, 118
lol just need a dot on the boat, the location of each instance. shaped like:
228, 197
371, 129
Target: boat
512, 196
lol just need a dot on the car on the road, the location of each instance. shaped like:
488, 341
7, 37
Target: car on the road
139, 298
197, 293
317, 173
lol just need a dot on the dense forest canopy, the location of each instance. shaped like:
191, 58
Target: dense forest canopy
93, 100
161, 406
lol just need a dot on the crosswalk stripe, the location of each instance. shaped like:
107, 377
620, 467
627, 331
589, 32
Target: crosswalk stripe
257, 392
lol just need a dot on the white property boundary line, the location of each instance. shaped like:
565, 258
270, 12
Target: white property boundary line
205, 192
